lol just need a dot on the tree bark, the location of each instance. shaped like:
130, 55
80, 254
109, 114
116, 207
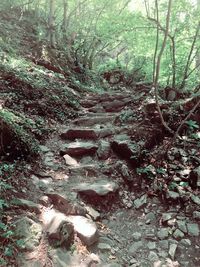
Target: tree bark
51, 24
157, 74
64, 24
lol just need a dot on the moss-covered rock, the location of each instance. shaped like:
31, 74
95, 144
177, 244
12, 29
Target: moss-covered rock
16, 139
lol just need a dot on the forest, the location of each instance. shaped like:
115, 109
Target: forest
99, 133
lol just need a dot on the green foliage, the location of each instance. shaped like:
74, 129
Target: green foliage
126, 115
192, 125
147, 171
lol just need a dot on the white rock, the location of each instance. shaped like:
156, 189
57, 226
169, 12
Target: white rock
70, 161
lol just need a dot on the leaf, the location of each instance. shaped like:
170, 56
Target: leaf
3, 204
8, 251
192, 124
8, 234
2, 226
20, 243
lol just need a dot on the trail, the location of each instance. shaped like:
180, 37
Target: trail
90, 180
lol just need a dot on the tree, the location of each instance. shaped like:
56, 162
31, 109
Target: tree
51, 24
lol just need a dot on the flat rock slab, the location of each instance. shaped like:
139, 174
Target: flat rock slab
72, 134
88, 103
79, 149
115, 105
85, 170
66, 205
90, 121
86, 133
27, 204
85, 228
100, 188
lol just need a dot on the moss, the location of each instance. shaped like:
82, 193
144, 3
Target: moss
16, 136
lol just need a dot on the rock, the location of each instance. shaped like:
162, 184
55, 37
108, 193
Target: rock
85, 228
193, 229
186, 242
90, 121
70, 161
116, 105
85, 170
194, 178
172, 250
172, 195
164, 244
151, 245
44, 149
171, 222
195, 199
95, 215
61, 232
103, 151
151, 217
182, 226
152, 256
126, 149
84, 133
60, 257
101, 188
196, 215
104, 247
150, 234
88, 103
135, 247
137, 236
45, 201
166, 217
140, 202
178, 234
27, 204
163, 233
29, 231
124, 171
79, 149
66, 205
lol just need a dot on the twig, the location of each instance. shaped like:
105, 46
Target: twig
186, 118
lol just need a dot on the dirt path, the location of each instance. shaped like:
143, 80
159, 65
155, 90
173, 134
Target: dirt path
90, 181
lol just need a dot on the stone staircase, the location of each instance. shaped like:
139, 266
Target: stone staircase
87, 201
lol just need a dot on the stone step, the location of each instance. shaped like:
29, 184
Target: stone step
90, 121
108, 97
85, 170
101, 188
57, 224
78, 149
86, 133
115, 105
88, 103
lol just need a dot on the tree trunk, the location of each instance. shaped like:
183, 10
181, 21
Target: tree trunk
51, 24
157, 73
64, 24
198, 53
